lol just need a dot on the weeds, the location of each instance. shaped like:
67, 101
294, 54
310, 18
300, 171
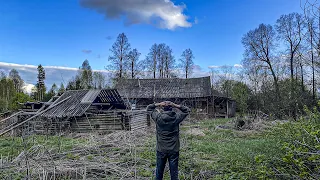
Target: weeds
285, 151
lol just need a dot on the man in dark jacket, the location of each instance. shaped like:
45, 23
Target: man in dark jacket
168, 144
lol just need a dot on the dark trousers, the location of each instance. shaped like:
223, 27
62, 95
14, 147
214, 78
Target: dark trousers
173, 159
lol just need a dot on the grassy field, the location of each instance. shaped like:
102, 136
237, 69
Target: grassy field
207, 152
219, 153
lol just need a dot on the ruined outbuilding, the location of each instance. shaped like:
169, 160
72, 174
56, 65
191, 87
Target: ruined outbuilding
195, 93
76, 111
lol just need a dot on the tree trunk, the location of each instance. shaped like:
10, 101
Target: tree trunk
154, 66
120, 75
132, 70
275, 79
291, 64
312, 61
302, 83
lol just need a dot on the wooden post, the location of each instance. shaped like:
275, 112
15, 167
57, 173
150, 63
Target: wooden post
148, 120
207, 106
213, 106
227, 116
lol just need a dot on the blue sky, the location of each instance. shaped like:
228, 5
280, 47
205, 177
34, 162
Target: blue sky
59, 32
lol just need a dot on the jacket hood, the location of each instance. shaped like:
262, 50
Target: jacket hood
168, 116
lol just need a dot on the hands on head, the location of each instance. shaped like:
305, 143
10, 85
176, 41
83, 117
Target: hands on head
168, 103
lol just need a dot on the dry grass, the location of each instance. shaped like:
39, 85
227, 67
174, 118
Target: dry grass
206, 152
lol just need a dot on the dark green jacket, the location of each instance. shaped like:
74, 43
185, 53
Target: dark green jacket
167, 125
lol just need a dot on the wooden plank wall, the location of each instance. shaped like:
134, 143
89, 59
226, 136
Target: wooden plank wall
138, 119
99, 123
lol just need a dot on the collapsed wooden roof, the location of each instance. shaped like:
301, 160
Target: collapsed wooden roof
165, 88
77, 102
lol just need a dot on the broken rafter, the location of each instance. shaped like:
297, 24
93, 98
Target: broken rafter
11, 116
38, 114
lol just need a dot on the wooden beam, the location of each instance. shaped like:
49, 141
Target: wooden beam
11, 128
227, 109
100, 104
11, 116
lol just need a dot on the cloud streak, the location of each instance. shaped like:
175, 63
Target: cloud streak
86, 51
238, 66
54, 74
162, 13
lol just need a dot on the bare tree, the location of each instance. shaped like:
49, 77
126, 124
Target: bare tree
165, 61
134, 64
119, 58
17, 80
259, 45
225, 79
187, 62
291, 28
169, 62
151, 59
161, 59
311, 10
98, 80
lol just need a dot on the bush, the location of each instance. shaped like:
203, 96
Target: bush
301, 150
19, 98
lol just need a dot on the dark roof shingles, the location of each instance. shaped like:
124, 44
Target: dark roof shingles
165, 88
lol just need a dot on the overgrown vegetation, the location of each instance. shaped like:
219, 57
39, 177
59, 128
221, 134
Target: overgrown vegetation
269, 150
12, 146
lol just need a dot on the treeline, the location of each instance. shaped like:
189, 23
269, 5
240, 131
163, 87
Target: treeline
126, 62
86, 79
160, 62
280, 67
11, 91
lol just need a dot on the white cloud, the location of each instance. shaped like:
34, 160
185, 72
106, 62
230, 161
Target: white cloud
214, 67
199, 72
235, 66
27, 88
33, 67
164, 13
238, 66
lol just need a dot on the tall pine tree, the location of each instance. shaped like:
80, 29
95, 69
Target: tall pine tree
40, 84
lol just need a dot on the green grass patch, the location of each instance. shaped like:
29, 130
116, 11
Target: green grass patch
222, 154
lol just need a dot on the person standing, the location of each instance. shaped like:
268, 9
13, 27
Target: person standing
167, 130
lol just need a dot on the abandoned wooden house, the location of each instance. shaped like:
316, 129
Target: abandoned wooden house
77, 111
195, 93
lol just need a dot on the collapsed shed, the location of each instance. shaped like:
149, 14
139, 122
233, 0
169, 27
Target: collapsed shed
78, 111
195, 93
